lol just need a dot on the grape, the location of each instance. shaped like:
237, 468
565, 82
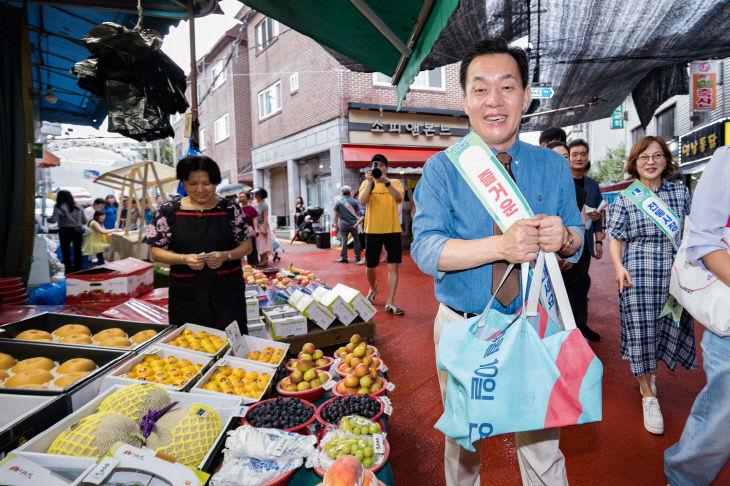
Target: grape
283, 413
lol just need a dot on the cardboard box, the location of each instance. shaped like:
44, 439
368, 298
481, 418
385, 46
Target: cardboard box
112, 282
20, 469
257, 328
355, 300
279, 312
162, 351
24, 416
196, 328
313, 310
252, 306
234, 362
227, 407
252, 343
345, 314
279, 329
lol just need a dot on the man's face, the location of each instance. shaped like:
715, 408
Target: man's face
380, 165
578, 157
495, 99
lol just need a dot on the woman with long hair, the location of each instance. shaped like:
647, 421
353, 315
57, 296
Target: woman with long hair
244, 199
263, 240
97, 241
71, 221
110, 209
643, 271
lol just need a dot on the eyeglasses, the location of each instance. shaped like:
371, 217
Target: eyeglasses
645, 157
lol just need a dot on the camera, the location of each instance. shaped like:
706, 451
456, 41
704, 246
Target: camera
377, 173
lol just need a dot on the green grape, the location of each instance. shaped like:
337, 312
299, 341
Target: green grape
332, 454
356, 430
367, 452
358, 455
374, 428
368, 461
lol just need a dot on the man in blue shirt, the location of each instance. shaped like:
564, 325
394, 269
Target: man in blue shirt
455, 243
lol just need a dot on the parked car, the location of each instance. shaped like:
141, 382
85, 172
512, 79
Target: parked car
44, 225
80, 194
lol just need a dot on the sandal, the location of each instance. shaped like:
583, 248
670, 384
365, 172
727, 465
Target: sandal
394, 309
373, 293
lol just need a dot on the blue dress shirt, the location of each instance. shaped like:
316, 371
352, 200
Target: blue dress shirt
447, 208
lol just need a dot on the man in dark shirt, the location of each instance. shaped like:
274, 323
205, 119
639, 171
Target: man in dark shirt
347, 220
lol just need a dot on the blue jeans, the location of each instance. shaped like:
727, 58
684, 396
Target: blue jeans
704, 447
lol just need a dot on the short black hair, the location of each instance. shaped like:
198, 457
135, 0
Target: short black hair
553, 134
192, 163
261, 192
558, 143
494, 45
379, 158
577, 142
99, 200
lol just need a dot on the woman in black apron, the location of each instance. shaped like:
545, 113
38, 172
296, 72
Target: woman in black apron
203, 238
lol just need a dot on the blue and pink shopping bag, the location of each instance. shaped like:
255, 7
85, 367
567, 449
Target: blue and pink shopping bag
513, 373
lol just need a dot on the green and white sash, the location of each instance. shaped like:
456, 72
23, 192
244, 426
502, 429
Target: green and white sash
504, 201
657, 211
653, 207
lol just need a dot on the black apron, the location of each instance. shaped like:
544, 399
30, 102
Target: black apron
207, 297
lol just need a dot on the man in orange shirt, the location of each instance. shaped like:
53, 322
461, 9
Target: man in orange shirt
381, 197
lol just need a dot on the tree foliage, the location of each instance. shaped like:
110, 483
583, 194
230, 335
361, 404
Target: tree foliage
611, 167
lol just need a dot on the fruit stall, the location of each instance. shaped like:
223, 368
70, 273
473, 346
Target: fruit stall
96, 389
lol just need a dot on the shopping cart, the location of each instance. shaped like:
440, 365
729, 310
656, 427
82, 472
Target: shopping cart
275, 246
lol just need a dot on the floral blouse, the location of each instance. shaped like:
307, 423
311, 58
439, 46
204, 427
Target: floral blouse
159, 232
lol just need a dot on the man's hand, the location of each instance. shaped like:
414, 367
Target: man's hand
369, 175
520, 242
598, 250
551, 232
594, 215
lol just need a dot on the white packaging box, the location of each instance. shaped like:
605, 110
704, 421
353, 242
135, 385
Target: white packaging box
21, 469
334, 303
257, 328
356, 300
288, 326
226, 406
316, 312
162, 351
253, 343
252, 306
279, 312
234, 362
197, 328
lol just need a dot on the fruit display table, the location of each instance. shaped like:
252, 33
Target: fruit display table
334, 335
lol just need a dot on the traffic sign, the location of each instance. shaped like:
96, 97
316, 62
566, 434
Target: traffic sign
542, 92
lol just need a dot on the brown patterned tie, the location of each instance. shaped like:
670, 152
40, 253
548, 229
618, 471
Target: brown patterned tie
511, 288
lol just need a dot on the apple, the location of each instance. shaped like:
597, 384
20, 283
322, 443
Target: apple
375, 387
296, 376
286, 382
370, 351
350, 347
320, 362
367, 360
373, 373
342, 389
355, 361
309, 348
303, 365
306, 356
361, 370
375, 362
363, 391
366, 382
348, 358
359, 352
304, 385
309, 375
317, 354
341, 352
355, 339
351, 381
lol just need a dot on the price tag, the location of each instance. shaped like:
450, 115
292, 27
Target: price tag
385, 400
103, 469
234, 336
378, 445
390, 386
329, 385
241, 411
388, 410
383, 368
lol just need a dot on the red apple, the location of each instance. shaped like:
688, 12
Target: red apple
355, 339
296, 376
361, 370
303, 365
355, 361
309, 348
350, 347
351, 381
365, 382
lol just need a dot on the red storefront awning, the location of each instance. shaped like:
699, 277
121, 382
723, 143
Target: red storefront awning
357, 156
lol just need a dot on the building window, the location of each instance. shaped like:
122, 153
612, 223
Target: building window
428, 80
221, 128
699, 118
665, 124
266, 32
270, 100
637, 134
201, 142
294, 83
219, 73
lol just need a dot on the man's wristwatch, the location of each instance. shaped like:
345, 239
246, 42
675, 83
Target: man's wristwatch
230, 256
387, 184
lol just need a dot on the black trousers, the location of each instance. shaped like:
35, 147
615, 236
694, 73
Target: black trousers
68, 237
577, 282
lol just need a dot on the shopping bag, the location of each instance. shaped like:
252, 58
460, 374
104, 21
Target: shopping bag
700, 292
275, 245
504, 377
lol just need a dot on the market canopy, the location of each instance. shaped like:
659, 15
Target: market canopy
585, 49
56, 28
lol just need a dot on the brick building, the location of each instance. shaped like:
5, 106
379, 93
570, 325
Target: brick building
315, 124
224, 113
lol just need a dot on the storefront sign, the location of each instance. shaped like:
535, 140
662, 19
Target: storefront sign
701, 143
703, 90
415, 128
617, 117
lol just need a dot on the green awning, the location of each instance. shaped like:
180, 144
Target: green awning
389, 37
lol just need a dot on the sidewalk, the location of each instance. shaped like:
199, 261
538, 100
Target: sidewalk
616, 451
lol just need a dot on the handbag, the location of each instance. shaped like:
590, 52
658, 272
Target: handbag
701, 293
505, 377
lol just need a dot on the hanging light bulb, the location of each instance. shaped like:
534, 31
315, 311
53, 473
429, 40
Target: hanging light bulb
50, 96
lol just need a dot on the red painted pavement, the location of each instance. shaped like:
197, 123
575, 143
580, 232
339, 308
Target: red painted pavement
616, 451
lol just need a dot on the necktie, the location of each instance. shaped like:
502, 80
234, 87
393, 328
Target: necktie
511, 287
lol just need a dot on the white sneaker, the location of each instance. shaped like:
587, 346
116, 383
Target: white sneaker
653, 420
653, 386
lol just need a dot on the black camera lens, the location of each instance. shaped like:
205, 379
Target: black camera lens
377, 173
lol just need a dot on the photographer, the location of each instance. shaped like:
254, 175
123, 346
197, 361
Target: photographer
381, 197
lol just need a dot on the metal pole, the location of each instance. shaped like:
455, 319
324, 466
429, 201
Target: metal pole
193, 72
